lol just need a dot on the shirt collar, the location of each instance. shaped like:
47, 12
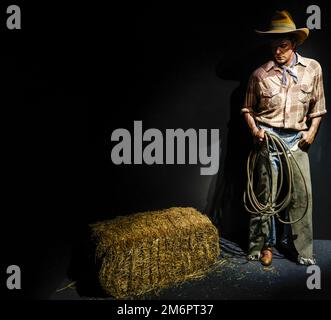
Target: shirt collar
301, 60
271, 64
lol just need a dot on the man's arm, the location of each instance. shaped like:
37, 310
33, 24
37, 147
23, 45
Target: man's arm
250, 101
316, 112
308, 137
257, 133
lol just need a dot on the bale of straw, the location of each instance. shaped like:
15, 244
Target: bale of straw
153, 250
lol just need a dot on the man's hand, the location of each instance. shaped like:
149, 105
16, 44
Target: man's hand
308, 137
258, 135
306, 140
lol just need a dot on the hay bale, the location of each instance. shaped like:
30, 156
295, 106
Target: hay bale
153, 250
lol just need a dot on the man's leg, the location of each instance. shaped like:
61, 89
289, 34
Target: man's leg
302, 231
261, 232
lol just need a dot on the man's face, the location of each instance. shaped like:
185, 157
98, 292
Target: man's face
282, 50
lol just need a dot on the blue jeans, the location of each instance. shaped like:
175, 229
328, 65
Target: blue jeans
290, 139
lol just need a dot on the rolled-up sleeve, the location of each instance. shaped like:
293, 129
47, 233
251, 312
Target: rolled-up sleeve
250, 97
317, 106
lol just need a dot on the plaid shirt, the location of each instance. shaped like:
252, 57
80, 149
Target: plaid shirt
286, 106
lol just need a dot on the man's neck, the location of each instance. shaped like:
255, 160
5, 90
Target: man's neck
289, 62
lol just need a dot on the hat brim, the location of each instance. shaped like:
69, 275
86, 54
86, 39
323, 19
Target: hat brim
301, 34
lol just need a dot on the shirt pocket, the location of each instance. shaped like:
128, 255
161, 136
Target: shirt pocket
304, 97
270, 98
305, 93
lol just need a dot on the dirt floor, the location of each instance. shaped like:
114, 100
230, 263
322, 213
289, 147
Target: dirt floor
234, 279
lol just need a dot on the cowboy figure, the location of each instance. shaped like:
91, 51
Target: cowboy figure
285, 97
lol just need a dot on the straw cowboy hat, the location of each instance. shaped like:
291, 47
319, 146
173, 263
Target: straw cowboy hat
282, 23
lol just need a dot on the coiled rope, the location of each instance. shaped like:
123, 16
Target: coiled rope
272, 207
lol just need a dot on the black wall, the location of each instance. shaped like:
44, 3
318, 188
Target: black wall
72, 76
187, 67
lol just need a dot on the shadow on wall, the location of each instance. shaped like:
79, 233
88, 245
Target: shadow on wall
225, 196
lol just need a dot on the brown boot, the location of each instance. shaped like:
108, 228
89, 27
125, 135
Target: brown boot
266, 256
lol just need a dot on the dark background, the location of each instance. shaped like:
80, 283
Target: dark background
73, 75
